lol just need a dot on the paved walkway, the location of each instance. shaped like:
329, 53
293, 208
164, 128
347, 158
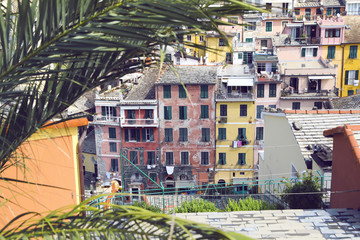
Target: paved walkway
285, 224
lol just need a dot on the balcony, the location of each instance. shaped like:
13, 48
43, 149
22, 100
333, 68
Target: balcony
301, 40
109, 120
139, 122
221, 95
264, 76
291, 93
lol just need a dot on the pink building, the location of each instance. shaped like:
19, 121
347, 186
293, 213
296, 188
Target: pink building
187, 129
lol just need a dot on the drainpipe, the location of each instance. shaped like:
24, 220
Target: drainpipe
342, 71
121, 151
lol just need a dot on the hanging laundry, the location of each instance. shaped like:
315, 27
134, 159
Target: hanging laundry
234, 144
239, 143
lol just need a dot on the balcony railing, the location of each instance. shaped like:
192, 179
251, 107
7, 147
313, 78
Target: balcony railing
139, 122
302, 40
234, 95
106, 119
307, 93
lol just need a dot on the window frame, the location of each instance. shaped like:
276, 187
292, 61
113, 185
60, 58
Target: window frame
182, 112
272, 90
259, 109
182, 154
243, 110
268, 28
205, 134
223, 110
295, 107
221, 134
204, 91
167, 112
167, 91
114, 165
112, 133
331, 53
259, 133
112, 147
182, 92
168, 135
353, 51
183, 135
133, 155
151, 160
260, 91
204, 158
169, 159
204, 111
222, 158
242, 159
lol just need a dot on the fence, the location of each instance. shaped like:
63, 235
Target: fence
167, 199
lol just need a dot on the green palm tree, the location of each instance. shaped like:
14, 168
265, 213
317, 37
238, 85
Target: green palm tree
53, 51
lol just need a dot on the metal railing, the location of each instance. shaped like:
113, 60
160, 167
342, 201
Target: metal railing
234, 95
142, 122
167, 199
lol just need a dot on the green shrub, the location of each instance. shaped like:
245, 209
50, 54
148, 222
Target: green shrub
303, 201
147, 206
248, 204
196, 205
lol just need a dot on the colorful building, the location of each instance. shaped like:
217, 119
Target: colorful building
51, 175
235, 124
187, 114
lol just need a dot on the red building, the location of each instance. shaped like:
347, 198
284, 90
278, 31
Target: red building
187, 124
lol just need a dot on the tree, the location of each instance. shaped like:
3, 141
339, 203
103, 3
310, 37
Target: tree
295, 193
53, 51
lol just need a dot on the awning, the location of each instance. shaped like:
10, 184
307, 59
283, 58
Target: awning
294, 25
321, 77
240, 82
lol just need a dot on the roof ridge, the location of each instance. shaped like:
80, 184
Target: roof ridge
330, 111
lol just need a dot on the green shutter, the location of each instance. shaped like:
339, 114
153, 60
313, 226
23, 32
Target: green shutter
151, 134
138, 135
315, 52
103, 111
357, 75
143, 135
170, 112
346, 77
126, 135
303, 52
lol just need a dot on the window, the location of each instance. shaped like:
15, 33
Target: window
259, 109
308, 52
261, 67
318, 105
167, 91
168, 135
114, 165
272, 90
350, 76
205, 134
331, 33
112, 132
263, 43
350, 92
184, 158
233, 20
204, 158
268, 27
132, 135
151, 158
272, 106
221, 42
260, 90
182, 112
153, 176
242, 158
243, 110
297, 11
352, 8
131, 115
112, 146
240, 55
204, 111
241, 134
149, 114
223, 110
259, 133
188, 37
182, 92
169, 157
183, 134
148, 135
204, 91
167, 113
331, 52
222, 133
108, 111
249, 40
251, 26
134, 157
296, 105
222, 158
201, 38
353, 52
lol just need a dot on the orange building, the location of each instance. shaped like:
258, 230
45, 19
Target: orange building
345, 183
50, 178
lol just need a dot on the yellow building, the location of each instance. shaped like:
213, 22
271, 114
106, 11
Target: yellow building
235, 126
198, 39
347, 57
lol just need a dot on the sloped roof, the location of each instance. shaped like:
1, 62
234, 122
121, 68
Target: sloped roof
352, 34
350, 102
145, 90
313, 123
333, 3
89, 145
189, 75
307, 3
